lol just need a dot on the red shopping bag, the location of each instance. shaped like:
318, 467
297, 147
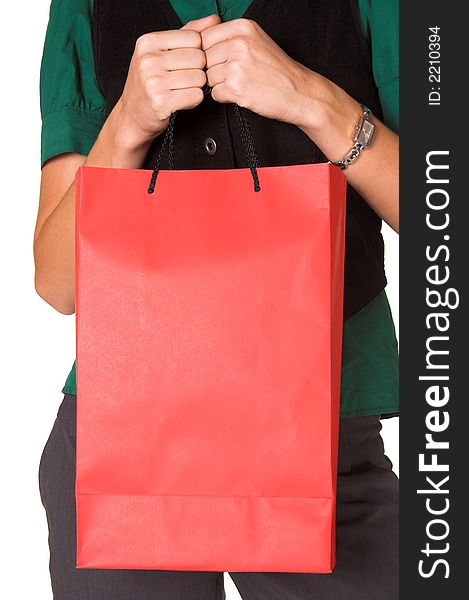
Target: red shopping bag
209, 322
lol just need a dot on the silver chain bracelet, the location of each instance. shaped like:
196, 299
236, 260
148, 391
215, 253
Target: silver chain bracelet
363, 137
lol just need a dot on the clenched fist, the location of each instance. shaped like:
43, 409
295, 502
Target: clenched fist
245, 66
166, 74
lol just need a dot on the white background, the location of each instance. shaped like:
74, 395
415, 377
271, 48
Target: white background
37, 343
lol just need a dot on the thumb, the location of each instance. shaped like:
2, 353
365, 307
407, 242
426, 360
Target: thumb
200, 24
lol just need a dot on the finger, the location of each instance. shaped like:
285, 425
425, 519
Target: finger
183, 58
185, 99
217, 54
186, 78
220, 93
200, 24
216, 75
225, 31
168, 40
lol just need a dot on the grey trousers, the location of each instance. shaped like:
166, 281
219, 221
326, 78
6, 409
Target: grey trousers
367, 532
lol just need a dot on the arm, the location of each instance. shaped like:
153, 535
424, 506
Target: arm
165, 75
375, 175
247, 67
54, 238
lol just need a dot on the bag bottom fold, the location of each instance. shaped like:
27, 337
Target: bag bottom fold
205, 533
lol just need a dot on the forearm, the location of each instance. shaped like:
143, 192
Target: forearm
54, 245
329, 120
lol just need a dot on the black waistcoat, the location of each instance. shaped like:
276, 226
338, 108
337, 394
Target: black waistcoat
324, 35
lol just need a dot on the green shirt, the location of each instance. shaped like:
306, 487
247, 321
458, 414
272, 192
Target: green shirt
72, 110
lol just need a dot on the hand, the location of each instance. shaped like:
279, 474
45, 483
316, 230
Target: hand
166, 74
245, 66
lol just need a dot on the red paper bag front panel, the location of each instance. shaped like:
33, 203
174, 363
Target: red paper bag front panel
209, 323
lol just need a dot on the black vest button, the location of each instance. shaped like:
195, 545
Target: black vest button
210, 146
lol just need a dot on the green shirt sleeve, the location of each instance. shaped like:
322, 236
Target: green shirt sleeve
72, 107
380, 23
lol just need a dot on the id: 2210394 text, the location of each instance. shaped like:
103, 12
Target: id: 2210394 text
434, 66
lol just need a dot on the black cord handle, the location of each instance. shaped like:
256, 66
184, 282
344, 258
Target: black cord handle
248, 142
168, 137
246, 137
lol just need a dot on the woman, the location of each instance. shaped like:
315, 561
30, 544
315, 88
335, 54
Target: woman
112, 74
